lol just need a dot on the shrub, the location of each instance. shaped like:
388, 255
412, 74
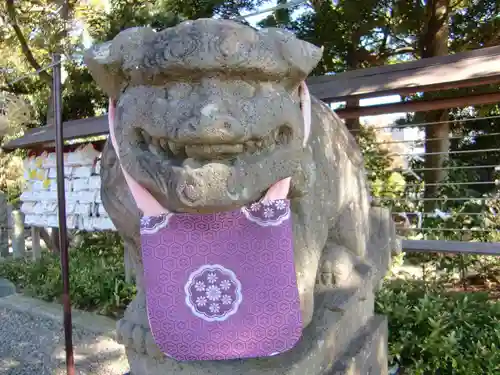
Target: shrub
436, 332
97, 276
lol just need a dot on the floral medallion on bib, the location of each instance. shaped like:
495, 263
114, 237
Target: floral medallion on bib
268, 213
213, 293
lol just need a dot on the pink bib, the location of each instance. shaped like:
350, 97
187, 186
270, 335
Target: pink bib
223, 285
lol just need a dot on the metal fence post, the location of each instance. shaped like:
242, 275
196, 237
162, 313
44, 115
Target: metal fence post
4, 226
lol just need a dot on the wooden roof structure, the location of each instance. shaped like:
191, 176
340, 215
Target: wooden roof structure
45, 135
466, 69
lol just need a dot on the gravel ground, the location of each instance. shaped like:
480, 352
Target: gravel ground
34, 345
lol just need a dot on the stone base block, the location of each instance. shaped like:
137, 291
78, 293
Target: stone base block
344, 326
6, 288
323, 342
367, 353
344, 337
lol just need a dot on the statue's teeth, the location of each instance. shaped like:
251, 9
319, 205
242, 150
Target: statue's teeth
175, 148
164, 144
146, 137
268, 141
154, 150
213, 151
250, 146
274, 134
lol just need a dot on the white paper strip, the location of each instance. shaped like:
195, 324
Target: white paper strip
68, 185
27, 207
84, 171
101, 211
86, 155
94, 183
68, 171
97, 167
80, 184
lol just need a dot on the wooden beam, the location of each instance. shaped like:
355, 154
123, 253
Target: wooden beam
473, 68
44, 137
465, 69
454, 247
419, 105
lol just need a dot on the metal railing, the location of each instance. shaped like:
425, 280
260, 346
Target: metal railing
452, 247
461, 214
448, 227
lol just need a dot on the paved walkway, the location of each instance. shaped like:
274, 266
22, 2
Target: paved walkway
32, 340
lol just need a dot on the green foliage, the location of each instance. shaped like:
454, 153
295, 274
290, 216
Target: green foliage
105, 25
383, 181
353, 34
434, 332
194, 9
431, 332
97, 278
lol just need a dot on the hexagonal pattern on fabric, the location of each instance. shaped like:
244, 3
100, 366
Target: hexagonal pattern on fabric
222, 286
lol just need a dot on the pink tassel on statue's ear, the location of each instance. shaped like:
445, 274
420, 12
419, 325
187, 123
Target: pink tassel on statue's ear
281, 188
143, 199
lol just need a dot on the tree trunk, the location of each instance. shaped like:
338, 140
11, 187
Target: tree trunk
434, 42
353, 63
51, 240
353, 124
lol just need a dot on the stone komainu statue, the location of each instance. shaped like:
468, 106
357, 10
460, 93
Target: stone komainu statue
208, 117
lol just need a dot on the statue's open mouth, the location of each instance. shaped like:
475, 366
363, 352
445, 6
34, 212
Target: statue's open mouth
187, 174
221, 158
199, 153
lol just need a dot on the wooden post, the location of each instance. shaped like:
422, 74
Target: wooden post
4, 227
35, 244
18, 243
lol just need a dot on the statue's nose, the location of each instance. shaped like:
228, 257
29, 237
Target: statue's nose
213, 126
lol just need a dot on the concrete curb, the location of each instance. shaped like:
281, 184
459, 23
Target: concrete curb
6, 288
87, 321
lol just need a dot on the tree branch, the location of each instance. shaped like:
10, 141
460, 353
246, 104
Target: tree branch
11, 11
487, 35
493, 40
385, 39
400, 51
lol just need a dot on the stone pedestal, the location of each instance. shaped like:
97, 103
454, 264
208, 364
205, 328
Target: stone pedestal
367, 352
346, 338
6, 288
